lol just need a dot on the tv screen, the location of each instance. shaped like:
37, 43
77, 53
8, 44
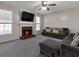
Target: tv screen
26, 16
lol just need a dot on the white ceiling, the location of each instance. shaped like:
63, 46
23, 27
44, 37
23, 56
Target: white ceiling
34, 5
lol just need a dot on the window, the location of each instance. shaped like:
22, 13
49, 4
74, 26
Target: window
37, 23
5, 22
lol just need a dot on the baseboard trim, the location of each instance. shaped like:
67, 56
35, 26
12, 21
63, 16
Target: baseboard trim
9, 41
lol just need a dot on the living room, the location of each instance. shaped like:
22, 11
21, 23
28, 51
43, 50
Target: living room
39, 28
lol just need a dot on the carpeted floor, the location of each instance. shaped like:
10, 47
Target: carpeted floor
22, 48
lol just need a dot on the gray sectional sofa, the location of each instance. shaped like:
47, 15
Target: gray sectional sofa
64, 32
69, 51
60, 48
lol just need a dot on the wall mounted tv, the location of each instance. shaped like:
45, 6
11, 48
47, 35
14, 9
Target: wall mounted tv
26, 16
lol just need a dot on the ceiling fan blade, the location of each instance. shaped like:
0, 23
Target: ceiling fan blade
51, 4
39, 9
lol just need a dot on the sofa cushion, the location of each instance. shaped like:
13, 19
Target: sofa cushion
76, 34
53, 35
75, 41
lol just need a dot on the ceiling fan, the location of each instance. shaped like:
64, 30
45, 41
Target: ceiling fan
45, 6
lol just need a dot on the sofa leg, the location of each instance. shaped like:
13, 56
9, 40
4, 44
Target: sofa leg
52, 54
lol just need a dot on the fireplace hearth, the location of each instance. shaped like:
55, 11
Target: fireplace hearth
26, 32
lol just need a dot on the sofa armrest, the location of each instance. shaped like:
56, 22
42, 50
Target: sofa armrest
69, 51
68, 39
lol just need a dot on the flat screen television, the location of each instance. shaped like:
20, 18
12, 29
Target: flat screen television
26, 16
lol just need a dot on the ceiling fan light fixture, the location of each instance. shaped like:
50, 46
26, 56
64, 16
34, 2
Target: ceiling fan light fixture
44, 8
44, 2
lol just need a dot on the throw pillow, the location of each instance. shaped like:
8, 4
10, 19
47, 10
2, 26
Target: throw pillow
48, 30
55, 31
75, 41
76, 34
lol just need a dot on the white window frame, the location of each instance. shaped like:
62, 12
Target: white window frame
38, 19
6, 25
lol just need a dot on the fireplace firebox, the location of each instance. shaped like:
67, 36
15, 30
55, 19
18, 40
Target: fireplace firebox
26, 32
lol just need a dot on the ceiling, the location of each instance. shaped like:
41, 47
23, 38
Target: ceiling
34, 5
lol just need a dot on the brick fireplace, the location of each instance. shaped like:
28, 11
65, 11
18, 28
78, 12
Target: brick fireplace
26, 32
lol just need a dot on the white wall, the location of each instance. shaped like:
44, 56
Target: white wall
67, 18
16, 31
